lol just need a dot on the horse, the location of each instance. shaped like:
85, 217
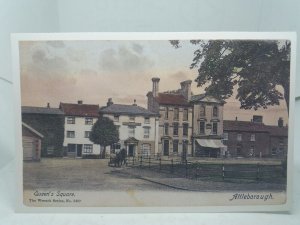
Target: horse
123, 156
118, 159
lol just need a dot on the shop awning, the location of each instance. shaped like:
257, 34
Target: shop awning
210, 143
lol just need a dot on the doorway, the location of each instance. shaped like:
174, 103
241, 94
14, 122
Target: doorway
166, 147
79, 151
131, 150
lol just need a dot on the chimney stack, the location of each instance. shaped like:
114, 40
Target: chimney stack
280, 122
155, 87
80, 102
48, 105
134, 102
257, 119
109, 102
186, 89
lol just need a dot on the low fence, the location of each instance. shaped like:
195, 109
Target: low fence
197, 170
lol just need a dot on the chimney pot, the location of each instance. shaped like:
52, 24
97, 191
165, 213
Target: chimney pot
134, 102
280, 122
80, 102
48, 105
109, 102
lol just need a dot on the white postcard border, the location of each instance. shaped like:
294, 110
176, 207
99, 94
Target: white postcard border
15, 38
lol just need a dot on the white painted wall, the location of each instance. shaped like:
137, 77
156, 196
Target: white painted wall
139, 130
80, 127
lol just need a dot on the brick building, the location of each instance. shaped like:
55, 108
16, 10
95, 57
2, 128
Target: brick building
175, 122
255, 139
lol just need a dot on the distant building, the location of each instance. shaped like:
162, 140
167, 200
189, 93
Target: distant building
255, 139
78, 121
50, 123
138, 128
176, 119
32, 142
207, 126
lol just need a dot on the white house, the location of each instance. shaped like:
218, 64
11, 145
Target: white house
138, 128
79, 119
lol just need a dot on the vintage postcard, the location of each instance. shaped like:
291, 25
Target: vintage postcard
154, 122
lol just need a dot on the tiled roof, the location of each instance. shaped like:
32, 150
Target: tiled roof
171, 99
205, 98
278, 131
126, 110
79, 109
233, 125
41, 110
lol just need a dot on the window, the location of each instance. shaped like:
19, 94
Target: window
175, 146
252, 137
238, 150
131, 131
281, 146
176, 114
87, 134
146, 150
116, 118
185, 114
131, 118
215, 111
147, 120
184, 148
202, 110
71, 134
175, 129
202, 127
274, 151
50, 150
251, 152
225, 136
215, 128
88, 148
166, 129
88, 121
185, 129
70, 120
71, 148
167, 113
239, 137
146, 132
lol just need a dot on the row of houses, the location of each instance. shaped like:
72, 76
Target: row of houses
175, 123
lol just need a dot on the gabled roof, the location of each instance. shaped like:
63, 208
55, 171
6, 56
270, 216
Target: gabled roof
233, 125
32, 130
41, 110
205, 98
171, 99
79, 109
120, 109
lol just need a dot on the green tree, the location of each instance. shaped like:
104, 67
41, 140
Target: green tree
104, 133
256, 68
